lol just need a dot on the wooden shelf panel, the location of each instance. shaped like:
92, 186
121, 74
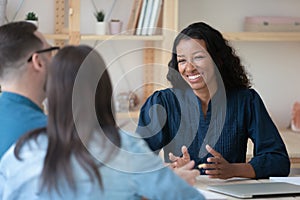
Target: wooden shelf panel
106, 37
128, 115
57, 36
123, 37
231, 36
262, 36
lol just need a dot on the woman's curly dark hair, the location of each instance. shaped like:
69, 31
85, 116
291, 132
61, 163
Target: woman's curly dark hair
228, 63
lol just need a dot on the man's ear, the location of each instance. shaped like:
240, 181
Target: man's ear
36, 61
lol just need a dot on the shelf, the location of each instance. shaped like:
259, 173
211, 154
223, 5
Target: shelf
128, 115
123, 37
231, 36
262, 36
57, 36
106, 37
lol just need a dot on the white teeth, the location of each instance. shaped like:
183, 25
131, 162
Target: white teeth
194, 77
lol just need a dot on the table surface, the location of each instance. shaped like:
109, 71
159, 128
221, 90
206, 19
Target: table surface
204, 181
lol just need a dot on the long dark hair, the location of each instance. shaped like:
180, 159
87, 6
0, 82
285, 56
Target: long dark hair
228, 63
64, 137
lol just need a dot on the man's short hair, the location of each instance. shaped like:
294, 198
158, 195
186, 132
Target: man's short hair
18, 40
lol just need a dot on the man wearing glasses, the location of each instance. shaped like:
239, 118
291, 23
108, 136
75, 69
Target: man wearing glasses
24, 56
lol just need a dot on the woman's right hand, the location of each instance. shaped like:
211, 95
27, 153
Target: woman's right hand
187, 172
180, 161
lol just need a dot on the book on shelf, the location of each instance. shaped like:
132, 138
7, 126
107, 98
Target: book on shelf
134, 16
142, 17
147, 16
156, 14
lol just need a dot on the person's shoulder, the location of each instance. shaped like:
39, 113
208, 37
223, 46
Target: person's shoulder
243, 92
163, 92
160, 96
134, 149
132, 142
38, 143
22, 174
31, 148
39, 119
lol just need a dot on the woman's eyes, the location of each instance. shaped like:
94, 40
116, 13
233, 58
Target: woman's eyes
181, 61
198, 57
194, 59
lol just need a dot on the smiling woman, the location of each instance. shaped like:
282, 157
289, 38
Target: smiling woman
213, 111
197, 68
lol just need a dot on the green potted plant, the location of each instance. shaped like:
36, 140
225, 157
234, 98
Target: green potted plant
100, 15
32, 18
100, 24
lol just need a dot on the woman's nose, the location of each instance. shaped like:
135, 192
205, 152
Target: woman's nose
190, 67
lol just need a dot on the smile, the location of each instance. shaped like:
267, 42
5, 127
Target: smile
193, 77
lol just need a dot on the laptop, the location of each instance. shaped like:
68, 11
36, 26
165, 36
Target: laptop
252, 190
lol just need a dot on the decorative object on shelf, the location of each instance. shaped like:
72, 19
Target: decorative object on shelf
272, 24
32, 18
127, 101
133, 101
134, 17
100, 24
295, 126
115, 26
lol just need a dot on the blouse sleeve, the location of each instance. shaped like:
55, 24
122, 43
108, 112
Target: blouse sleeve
270, 154
152, 124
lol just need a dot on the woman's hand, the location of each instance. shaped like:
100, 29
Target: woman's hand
218, 167
180, 161
187, 172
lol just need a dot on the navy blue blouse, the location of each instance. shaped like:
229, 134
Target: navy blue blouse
177, 120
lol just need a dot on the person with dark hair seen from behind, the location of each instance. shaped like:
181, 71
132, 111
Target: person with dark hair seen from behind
81, 153
24, 55
211, 111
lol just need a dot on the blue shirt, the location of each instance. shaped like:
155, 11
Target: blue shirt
172, 118
18, 115
135, 171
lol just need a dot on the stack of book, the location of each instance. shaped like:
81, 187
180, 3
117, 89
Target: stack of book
145, 17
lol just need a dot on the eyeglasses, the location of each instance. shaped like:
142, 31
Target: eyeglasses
43, 51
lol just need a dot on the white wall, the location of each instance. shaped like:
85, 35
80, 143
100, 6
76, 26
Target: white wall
274, 66
44, 10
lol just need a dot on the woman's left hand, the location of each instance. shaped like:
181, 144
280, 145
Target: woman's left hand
217, 166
